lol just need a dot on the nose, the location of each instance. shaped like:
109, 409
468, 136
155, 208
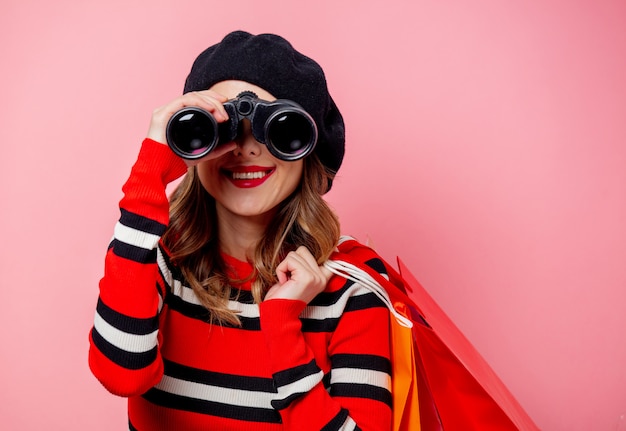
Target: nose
246, 144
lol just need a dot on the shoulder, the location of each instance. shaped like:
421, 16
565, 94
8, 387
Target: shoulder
362, 256
368, 265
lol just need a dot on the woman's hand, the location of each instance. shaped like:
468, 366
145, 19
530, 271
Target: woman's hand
299, 277
209, 100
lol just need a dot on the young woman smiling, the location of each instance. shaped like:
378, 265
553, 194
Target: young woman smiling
215, 309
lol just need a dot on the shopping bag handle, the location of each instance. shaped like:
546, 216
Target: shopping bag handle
359, 276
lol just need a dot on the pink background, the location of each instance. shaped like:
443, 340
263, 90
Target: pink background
486, 147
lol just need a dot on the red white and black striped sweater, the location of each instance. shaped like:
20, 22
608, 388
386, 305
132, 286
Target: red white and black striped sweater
290, 366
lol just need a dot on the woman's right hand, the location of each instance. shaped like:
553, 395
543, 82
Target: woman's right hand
209, 100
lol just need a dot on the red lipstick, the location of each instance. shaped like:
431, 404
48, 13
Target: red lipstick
248, 176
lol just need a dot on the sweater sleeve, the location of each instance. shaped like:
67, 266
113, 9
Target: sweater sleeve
123, 353
355, 394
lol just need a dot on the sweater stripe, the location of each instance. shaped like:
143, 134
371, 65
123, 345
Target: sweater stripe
294, 382
141, 223
121, 322
130, 252
378, 266
359, 390
325, 325
216, 394
135, 237
354, 298
372, 372
129, 342
369, 362
214, 408
212, 378
293, 375
368, 377
121, 357
362, 301
290, 392
341, 422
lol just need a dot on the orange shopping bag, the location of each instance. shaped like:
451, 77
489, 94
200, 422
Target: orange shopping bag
405, 398
413, 406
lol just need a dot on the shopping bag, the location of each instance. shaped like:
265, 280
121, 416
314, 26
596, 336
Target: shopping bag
456, 388
466, 391
413, 405
405, 395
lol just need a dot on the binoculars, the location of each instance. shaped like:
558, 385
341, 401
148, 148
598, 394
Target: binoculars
283, 126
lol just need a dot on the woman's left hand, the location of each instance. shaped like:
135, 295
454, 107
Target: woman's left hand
299, 277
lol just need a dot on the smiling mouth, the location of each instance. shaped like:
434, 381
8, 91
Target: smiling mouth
249, 175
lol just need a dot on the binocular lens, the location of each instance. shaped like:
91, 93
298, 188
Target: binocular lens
290, 134
192, 133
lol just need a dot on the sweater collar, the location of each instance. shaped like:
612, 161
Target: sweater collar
237, 269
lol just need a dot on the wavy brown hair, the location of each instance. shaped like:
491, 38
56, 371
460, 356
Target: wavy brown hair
303, 219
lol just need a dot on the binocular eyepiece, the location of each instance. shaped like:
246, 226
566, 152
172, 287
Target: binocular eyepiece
283, 126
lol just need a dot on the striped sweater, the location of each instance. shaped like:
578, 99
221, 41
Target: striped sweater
289, 366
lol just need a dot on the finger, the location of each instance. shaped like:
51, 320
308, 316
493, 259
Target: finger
310, 260
216, 103
294, 265
283, 270
326, 273
288, 264
306, 256
206, 101
214, 94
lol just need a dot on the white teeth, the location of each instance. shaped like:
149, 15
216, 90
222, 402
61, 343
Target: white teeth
248, 175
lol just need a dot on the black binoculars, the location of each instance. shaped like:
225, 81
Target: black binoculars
283, 126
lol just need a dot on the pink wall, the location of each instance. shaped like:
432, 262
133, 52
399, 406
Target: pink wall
486, 147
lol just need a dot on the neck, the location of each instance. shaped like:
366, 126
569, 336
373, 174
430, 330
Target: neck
239, 235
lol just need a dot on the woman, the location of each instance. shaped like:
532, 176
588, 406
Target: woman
215, 310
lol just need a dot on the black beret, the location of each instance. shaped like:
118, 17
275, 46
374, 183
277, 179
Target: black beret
271, 62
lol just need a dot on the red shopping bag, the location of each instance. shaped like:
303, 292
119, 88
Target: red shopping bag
467, 393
